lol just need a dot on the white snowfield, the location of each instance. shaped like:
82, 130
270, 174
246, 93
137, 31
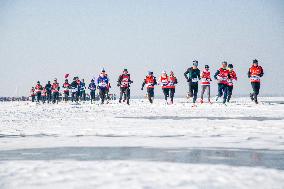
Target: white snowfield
143, 146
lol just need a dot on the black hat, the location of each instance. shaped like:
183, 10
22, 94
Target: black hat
255, 61
206, 66
224, 62
125, 70
230, 66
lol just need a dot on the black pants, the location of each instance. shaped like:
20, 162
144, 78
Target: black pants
102, 94
43, 99
48, 96
230, 92
55, 96
193, 86
126, 92
83, 95
38, 95
93, 95
66, 95
166, 93
255, 87
75, 96
150, 93
172, 94
33, 98
223, 90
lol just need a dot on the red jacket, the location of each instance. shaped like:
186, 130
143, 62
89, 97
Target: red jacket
32, 92
255, 72
55, 87
66, 87
150, 81
233, 76
223, 76
38, 88
164, 81
124, 80
172, 81
205, 77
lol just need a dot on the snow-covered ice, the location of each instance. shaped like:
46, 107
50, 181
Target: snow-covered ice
142, 146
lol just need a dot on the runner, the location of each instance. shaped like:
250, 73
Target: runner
255, 73
150, 82
205, 83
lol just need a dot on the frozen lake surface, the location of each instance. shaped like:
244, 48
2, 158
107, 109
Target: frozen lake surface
142, 146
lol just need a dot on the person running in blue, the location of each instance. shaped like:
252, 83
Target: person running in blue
92, 88
102, 83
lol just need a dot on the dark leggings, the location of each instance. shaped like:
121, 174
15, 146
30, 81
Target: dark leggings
230, 92
255, 87
172, 93
126, 93
49, 97
38, 96
166, 93
74, 97
103, 94
150, 92
223, 89
194, 90
93, 95
55, 97
66, 95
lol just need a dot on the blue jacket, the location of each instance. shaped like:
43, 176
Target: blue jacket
92, 86
82, 86
102, 82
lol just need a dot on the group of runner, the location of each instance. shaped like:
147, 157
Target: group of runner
225, 77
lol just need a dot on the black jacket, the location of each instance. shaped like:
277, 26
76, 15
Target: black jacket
192, 73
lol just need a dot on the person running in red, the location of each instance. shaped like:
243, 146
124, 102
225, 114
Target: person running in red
172, 86
66, 87
232, 77
38, 89
255, 73
43, 95
150, 82
55, 91
205, 83
33, 94
164, 82
222, 76
123, 83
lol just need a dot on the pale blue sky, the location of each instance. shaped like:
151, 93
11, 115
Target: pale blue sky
43, 39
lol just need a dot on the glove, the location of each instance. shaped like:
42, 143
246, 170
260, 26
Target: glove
188, 80
142, 89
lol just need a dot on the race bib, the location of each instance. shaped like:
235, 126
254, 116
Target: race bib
222, 78
205, 80
149, 84
194, 80
124, 83
74, 90
102, 84
255, 78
